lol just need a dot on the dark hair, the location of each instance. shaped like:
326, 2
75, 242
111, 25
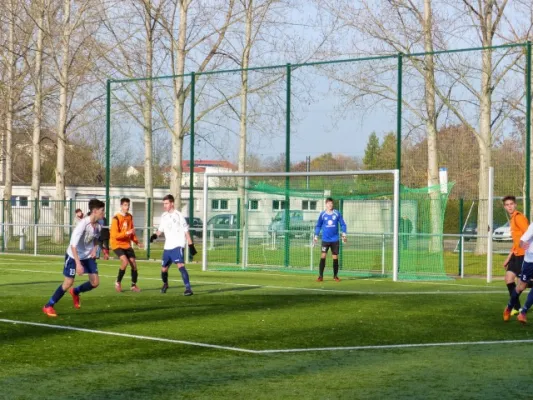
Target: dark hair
77, 210
169, 197
329, 199
509, 198
124, 200
95, 204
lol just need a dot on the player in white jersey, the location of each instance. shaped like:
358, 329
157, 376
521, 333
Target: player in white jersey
80, 258
176, 230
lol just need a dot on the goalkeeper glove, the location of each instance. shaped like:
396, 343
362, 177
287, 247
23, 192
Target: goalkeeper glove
153, 237
192, 250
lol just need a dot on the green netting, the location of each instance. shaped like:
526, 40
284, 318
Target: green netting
275, 227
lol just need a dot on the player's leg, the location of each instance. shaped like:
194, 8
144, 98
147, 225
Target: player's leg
322, 264
335, 255
90, 267
134, 271
123, 259
105, 249
69, 273
525, 276
513, 271
179, 260
165, 263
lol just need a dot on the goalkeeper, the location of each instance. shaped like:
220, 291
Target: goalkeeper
174, 226
328, 222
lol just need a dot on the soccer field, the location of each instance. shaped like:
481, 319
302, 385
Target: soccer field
256, 335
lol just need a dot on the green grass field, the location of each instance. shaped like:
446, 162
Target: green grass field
256, 335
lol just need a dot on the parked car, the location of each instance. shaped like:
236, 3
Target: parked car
223, 225
470, 229
196, 228
503, 233
297, 224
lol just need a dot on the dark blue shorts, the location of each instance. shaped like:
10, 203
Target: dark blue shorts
69, 268
527, 271
172, 256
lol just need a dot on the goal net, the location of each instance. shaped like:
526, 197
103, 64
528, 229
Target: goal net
266, 221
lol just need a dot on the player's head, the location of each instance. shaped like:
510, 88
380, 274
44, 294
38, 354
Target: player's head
509, 203
78, 213
329, 203
168, 202
124, 205
96, 209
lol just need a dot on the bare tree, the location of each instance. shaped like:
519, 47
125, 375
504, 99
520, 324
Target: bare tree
41, 7
180, 48
9, 116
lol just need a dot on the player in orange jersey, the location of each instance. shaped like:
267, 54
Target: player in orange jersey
122, 234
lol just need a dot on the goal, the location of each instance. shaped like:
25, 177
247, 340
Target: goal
266, 221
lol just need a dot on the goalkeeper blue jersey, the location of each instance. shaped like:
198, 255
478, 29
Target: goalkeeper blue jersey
329, 224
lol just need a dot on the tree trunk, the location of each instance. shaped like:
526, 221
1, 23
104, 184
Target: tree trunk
179, 107
431, 130
37, 110
147, 118
8, 187
59, 211
245, 62
485, 147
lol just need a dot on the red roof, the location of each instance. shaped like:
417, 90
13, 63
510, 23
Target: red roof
209, 163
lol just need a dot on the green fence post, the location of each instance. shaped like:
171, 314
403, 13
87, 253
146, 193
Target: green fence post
107, 147
287, 164
237, 250
149, 224
460, 233
341, 209
399, 139
3, 228
70, 216
528, 130
191, 161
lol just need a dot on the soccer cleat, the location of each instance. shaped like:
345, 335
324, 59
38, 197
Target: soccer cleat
49, 311
188, 292
522, 318
514, 311
118, 287
75, 298
164, 288
319, 279
336, 279
506, 314
135, 288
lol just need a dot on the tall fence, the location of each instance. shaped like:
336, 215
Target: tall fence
316, 108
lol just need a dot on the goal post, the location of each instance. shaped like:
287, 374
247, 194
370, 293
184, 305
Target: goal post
280, 210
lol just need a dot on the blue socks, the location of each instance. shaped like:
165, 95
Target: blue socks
56, 296
529, 302
185, 277
85, 287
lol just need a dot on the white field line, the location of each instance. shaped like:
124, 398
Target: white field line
292, 288
256, 273
273, 351
127, 335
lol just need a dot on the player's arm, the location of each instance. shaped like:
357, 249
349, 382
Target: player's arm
343, 227
74, 240
521, 222
507, 259
526, 238
134, 237
157, 233
318, 226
